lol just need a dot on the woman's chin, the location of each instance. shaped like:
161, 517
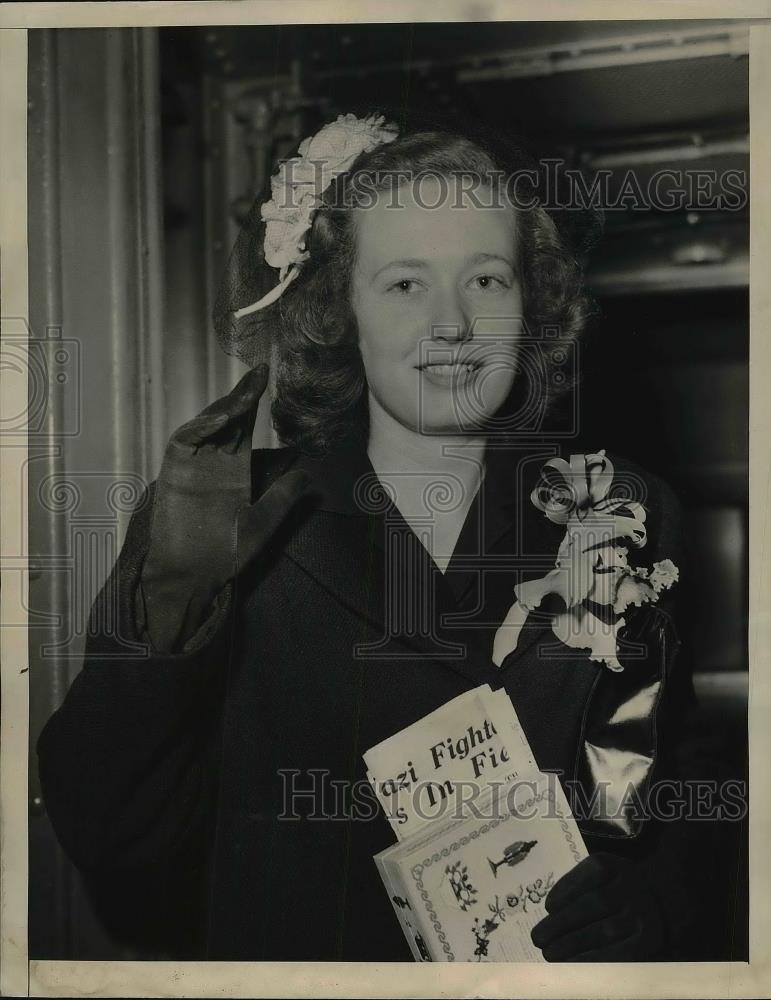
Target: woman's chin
451, 428
460, 417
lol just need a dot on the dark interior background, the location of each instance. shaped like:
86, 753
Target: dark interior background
665, 365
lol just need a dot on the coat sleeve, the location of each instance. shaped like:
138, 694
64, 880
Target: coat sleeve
128, 763
694, 816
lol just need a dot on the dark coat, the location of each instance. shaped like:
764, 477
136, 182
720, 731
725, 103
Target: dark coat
171, 771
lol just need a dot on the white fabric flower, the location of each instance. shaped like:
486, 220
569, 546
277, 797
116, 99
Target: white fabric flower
298, 185
591, 566
285, 233
297, 188
580, 629
663, 575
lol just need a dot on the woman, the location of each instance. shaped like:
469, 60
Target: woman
294, 607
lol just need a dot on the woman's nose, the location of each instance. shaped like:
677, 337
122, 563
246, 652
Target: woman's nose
451, 320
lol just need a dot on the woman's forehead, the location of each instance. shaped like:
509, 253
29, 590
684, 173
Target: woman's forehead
433, 216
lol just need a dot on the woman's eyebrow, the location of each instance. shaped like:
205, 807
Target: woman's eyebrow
402, 262
477, 258
482, 258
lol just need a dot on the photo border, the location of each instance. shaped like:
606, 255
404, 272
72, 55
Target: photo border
20, 977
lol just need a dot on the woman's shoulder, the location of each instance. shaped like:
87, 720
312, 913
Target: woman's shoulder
663, 509
653, 488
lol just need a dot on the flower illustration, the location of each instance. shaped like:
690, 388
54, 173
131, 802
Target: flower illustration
592, 570
461, 886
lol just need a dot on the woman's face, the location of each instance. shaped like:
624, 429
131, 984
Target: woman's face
438, 302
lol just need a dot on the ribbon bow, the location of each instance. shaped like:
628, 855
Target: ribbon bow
591, 563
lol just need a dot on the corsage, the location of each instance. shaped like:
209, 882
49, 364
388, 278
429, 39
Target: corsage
591, 571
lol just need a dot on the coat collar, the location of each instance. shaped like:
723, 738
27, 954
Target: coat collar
353, 540
343, 481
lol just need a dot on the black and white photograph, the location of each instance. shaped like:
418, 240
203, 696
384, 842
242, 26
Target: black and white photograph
383, 510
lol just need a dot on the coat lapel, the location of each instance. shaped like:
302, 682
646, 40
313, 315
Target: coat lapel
504, 541
353, 541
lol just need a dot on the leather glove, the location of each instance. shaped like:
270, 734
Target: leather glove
204, 528
603, 910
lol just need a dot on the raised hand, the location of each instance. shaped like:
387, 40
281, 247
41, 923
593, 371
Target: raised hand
204, 527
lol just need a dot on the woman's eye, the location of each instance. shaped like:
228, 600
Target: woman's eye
404, 285
485, 281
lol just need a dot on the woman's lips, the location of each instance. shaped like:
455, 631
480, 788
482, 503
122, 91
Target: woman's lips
455, 373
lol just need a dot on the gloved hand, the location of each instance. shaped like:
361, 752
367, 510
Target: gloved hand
204, 528
603, 910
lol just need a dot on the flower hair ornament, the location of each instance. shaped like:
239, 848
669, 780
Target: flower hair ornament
591, 565
297, 189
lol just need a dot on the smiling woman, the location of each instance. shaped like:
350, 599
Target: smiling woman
363, 224
438, 333
294, 607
